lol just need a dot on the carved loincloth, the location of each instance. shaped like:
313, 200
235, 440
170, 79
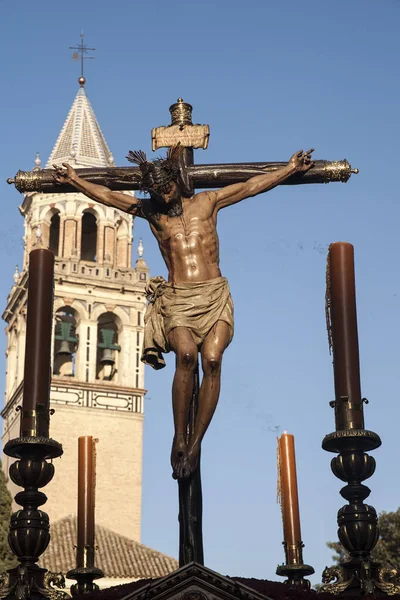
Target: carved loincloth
197, 306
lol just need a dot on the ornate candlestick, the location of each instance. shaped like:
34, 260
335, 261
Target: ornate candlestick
294, 568
85, 572
29, 529
358, 530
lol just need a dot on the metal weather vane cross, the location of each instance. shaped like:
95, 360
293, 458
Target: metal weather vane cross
81, 51
182, 132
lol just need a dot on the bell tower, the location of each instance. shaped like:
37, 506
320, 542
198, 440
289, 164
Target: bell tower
98, 380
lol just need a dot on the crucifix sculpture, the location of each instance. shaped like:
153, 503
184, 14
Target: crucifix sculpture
192, 312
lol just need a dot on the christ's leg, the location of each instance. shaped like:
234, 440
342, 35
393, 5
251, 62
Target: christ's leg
182, 343
211, 354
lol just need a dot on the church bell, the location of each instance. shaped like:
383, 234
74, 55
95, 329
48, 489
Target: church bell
107, 347
66, 338
64, 349
107, 357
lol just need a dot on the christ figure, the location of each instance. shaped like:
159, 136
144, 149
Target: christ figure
191, 312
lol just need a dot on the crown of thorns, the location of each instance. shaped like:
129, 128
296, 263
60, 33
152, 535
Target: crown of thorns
157, 174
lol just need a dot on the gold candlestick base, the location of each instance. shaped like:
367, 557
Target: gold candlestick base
294, 569
85, 577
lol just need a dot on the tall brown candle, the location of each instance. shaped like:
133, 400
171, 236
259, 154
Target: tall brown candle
341, 297
37, 372
287, 489
86, 496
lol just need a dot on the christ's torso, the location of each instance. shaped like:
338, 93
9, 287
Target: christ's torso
189, 242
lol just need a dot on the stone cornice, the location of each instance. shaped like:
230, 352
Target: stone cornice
12, 403
18, 293
96, 387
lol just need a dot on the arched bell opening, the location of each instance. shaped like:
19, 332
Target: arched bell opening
65, 342
89, 237
54, 235
108, 349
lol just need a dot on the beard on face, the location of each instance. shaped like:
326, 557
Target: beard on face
170, 206
175, 209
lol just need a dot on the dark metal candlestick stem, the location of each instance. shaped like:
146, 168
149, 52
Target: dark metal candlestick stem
358, 524
29, 529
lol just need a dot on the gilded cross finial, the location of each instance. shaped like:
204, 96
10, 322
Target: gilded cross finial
80, 51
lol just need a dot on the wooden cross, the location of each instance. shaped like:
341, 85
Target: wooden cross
190, 136
182, 131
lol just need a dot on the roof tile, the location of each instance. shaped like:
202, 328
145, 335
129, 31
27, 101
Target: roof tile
81, 140
117, 555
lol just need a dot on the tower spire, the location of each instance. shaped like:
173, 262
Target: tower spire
80, 51
81, 141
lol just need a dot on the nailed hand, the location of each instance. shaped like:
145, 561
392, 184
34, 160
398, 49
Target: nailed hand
301, 161
65, 175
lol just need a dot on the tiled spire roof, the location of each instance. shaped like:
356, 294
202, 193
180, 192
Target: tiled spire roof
81, 141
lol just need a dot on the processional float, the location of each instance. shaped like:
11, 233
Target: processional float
350, 439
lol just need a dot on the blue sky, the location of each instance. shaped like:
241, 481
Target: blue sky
269, 78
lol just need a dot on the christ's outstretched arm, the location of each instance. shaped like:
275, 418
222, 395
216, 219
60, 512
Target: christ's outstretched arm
100, 193
299, 162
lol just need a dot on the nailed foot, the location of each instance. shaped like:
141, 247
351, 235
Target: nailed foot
184, 458
179, 457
